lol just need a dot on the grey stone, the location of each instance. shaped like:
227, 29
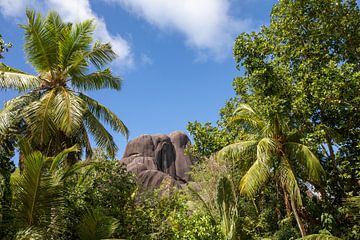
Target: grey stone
159, 159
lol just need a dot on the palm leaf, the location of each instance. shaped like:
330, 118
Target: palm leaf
78, 38
265, 148
10, 115
35, 192
57, 161
288, 181
101, 54
86, 143
11, 78
102, 137
68, 110
97, 80
227, 205
94, 225
254, 178
307, 159
106, 115
38, 116
237, 150
39, 43
244, 114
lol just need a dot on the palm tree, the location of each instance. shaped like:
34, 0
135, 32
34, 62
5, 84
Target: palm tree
277, 155
53, 113
38, 191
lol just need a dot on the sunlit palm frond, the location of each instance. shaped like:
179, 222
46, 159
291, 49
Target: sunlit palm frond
102, 137
244, 114
77, 38
245, 108
35, 192
254, 178
105, 114
11, 78
68, 110
18, 103
38, 117
39, 43
288, 180
101, 54
57, 29
307, 159
11, 114
97, 80
236, 150
265, 148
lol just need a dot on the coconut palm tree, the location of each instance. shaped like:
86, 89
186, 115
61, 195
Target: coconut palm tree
53, 111
277, 155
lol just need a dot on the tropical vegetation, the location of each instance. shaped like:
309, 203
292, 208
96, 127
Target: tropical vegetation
282, 162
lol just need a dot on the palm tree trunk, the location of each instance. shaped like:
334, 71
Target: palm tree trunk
298, 219
287, 203
21, 161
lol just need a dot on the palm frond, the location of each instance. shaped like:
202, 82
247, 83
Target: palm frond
86, 143
237, 150
101, 54
307, 159
102, 137
57, 161
288, 180
10, 115
68, 110
227, 204
244, 114
94, 225
11, 78
265, 148
38, 116
35, 192
254, 178
77, 38
39, 43
97, 80
104, 114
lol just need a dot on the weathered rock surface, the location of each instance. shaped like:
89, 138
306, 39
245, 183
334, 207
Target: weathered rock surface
157, 158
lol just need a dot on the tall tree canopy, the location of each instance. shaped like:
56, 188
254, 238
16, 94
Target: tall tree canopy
53, 112
305, 68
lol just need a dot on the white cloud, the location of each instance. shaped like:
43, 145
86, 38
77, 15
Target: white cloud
206, 24
146, 60
12, 8
75, 11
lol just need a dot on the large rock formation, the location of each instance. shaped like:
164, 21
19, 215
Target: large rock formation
158, 158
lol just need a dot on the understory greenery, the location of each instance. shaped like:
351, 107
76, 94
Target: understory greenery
281, 163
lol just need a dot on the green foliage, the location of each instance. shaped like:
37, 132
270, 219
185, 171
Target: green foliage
104, 185
94, 225
227, 204
54, 111
304, 70
169, 217
4, 47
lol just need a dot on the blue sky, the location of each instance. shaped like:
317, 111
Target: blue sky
175, 56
